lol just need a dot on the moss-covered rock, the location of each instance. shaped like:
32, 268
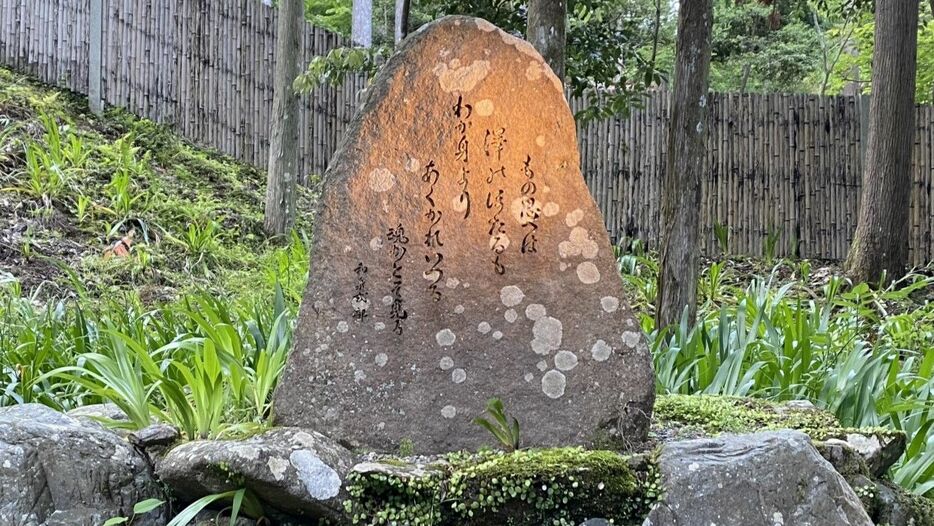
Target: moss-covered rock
561, 486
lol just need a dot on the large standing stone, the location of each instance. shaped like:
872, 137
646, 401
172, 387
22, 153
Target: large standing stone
459, 256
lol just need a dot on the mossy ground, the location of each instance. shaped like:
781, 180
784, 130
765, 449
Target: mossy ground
562, 486
197, 216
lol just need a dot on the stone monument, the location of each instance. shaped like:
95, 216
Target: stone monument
458, 256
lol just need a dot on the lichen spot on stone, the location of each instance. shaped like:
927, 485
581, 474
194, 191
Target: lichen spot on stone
343, 326
587, 272
565, 360
459, 309
445, 337
631, 339
456, 78
535, 311
511, 295
484, 327
573, 218
446, 363
387, 300
540, 141
551, 209
449, 411
277, 467
497, 335
376, 243
511, 315
609, 303
601, 351
452, 283
412, 165
485, 107
320, 481
528, 377
547, 333
553, 384
379, 326
359, 375
534, 71
542, 365
458, 376
381, 359
381, 180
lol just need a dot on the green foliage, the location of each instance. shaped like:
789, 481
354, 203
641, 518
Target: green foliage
204, 365
241, 498
506, 432
140, 508
333, 68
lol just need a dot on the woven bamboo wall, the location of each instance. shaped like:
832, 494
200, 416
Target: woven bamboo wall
788, 164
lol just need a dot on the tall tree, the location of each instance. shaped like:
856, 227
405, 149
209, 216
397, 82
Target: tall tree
547, 31
282, 176
361, 25
403, 7
687, 146
880, 244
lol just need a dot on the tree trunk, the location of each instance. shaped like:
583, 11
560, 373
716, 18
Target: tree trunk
547, 31
402, 19
880, 244
687, 146
282, 176
361, 23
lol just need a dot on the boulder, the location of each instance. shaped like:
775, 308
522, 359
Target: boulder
58, 470
459, 256
771, 478
295, 471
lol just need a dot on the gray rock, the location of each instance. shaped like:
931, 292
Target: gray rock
595, 522
460, 256
58, 470
879, 451
296, 471
154, 435
772, 478
108, 411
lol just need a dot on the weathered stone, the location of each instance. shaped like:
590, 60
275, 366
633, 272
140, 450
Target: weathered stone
459, 256
296, 471
57, 470
770, 478
154, 435
108, 411
879, 451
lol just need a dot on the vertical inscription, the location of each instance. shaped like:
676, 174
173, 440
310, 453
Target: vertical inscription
433, 235
462, 154
493, 144
361, 300
529, 212
397, 240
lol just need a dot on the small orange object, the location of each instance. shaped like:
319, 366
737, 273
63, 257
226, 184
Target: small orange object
121, 248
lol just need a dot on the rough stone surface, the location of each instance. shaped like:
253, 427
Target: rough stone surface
57, 470
296, 471
459, 256
154, 435
879, 451
772, 478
